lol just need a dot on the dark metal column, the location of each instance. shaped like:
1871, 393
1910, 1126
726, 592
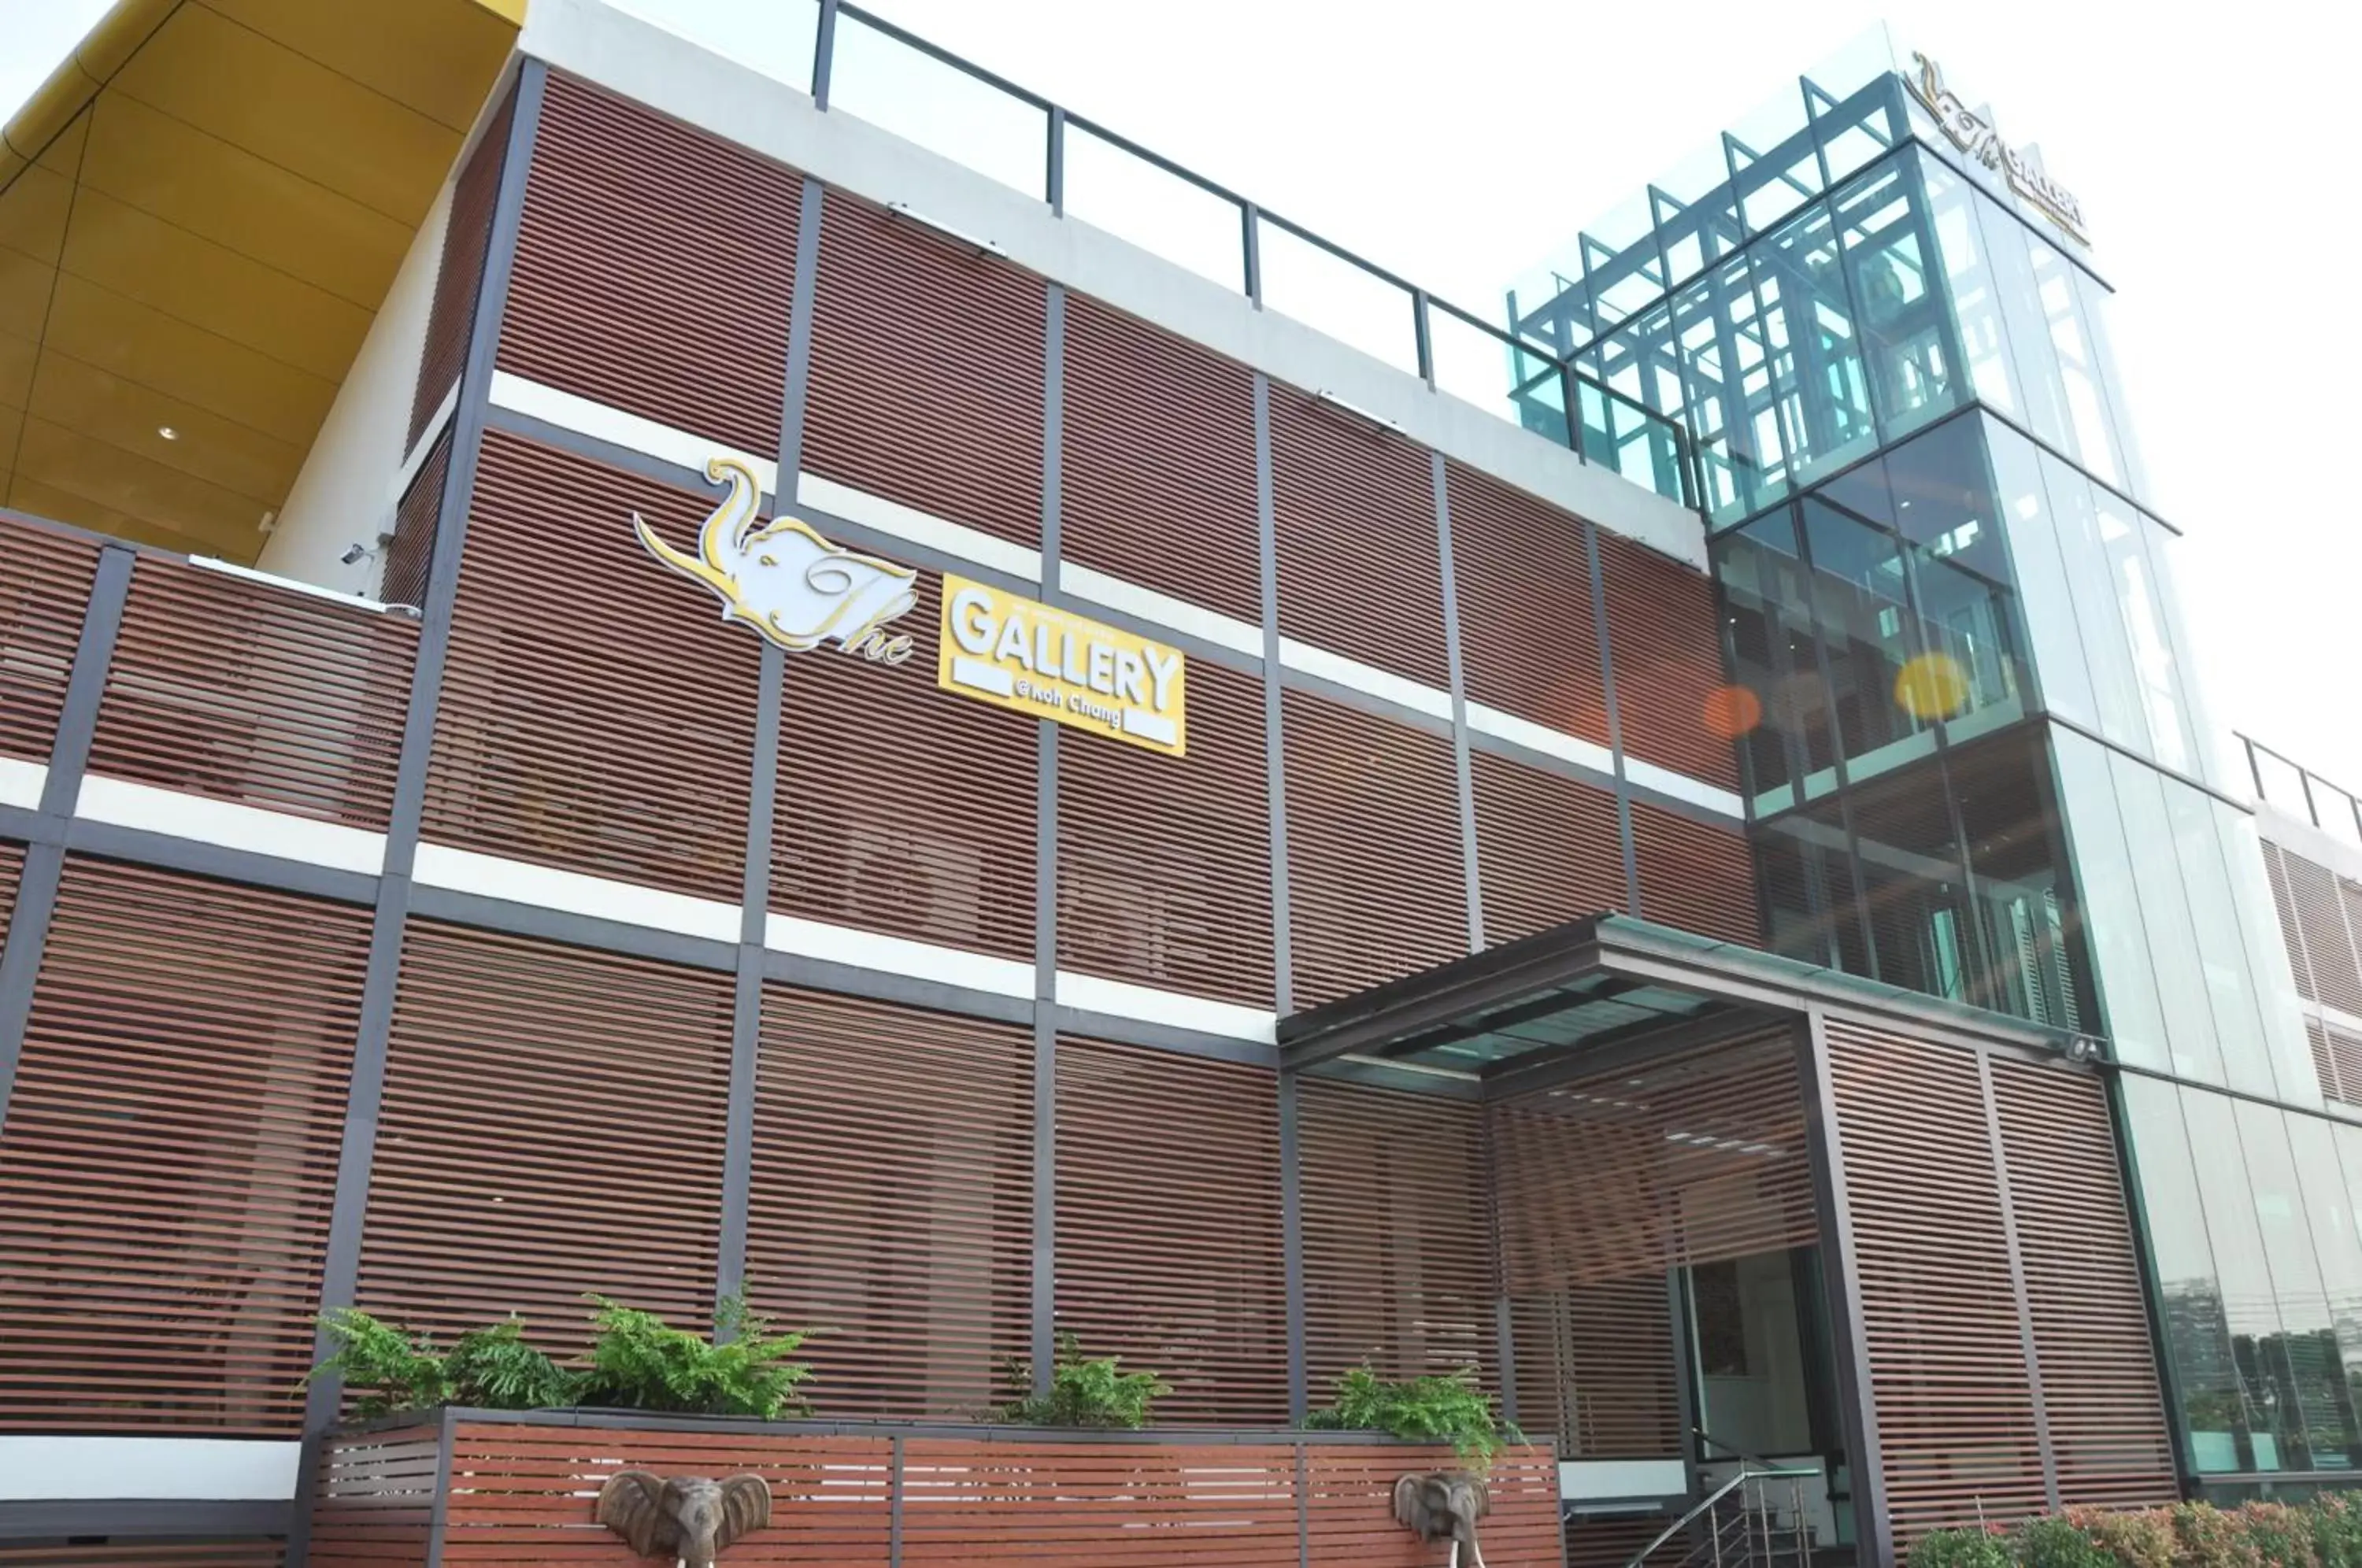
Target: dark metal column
1470, 870
1858, 1414
1614, 718
1045, 869
2017, 1281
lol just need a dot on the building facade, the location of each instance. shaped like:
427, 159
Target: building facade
828, 719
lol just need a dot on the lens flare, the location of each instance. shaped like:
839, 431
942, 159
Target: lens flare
1732, 710
1932, 686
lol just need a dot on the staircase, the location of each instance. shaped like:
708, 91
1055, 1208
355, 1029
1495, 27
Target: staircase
1755, 1519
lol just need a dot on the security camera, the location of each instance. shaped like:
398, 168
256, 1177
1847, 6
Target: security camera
355, 554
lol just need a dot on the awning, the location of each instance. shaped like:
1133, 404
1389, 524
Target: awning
1575, 991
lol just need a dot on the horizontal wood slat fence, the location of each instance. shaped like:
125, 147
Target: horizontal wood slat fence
475, 1487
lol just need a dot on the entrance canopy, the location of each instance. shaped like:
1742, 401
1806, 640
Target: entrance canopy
1497, 1021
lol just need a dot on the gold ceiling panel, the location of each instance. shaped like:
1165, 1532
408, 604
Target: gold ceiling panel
200, 214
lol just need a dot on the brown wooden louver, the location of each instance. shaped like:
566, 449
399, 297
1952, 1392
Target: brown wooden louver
1168, 1234
255, 694
552, 1125
166, 1181
1549, 846
460, 273
1595, 1368
600, 718
44, 585
1171, 886
654, 264
1528, 634
1397, 1234
924, 829
1666, 644
1698, 877
1157, 470
926, 372
1376, 880
891, 1203
1361, 561
402, 579
258, 1552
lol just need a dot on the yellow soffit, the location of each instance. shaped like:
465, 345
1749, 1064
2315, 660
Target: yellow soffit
201, 211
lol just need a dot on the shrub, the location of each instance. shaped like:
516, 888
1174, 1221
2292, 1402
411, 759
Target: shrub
1083, 1392
641, 1363
2326, 1532
2143, 1539
2206, 1537
1450, 1408
1961, 1549
494, 1369
2336, 1518
2058, 1542
385, 1368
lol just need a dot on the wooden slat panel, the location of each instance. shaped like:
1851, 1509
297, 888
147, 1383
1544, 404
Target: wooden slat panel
1397, 1234
373, 1504
1549, 846
524, 1494
258, 1553
44, 584
1356, 786
604, 725
1360, 562
1121, 1503
12, 868
1528, 639
170, 1154
402, 579
2092, 1343
1349, 1501
1609, 1542
654, 268
1694, 1159
242, 691
2284, 905
1168, 1230
1947, 1351
1698, 877
926, 372
931, 836
1165, 865
892, 1199
1157, 477
2324, 1063
1666, 647
1596, 1368
552, 1125
2344, 1049
460, 272
2315, 893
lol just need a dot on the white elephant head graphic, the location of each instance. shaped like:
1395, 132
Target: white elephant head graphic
788, 583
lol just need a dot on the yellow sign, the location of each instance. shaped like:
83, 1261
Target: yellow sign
1031, 658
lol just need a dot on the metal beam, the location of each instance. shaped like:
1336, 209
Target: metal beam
2017, 1290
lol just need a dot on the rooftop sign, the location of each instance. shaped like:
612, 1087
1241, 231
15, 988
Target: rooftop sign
1975, 136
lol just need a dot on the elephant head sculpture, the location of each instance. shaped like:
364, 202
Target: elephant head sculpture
1443, 1505
688, 1518
780, 577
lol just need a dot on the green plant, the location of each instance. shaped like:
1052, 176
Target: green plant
1961, 1549
2279, 1533
2336, 1519
1450, 1408
385, 1368
2058, 1542
494, 1369
2142, 1539
639, 1361
2206, 1537
1084, 1391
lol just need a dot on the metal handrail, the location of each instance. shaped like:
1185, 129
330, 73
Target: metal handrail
1716, 1496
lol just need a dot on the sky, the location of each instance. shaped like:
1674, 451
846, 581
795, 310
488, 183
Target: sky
1460, 145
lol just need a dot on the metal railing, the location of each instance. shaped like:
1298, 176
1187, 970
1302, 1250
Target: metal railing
1738, 1525
2301, 792
1445, 345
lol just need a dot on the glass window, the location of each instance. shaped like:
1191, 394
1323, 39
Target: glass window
1769, 623
1862, 612
2214, 1409
2092, 296
2250, 1306
1774, 166
1968, 279
2267, 954
1808, 889
2039, 571
2308, 1350
2222, 944
1968, 625
1906, 331
2094, 443
2015, 860
2107, 649
1823, 399
2173, 953
2174, 741
2210, 762
2042, 392
2108, 912
1914, 887
2336, 1240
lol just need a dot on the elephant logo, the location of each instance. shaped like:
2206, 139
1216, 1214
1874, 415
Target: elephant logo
1443, 1506
688, 1519
783, 579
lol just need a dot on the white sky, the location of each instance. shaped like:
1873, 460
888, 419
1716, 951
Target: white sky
1458, 145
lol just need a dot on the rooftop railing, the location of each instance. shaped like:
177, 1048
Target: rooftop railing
2302, 793
861, 63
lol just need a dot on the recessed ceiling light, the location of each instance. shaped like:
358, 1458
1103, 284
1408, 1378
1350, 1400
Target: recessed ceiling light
167, 432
